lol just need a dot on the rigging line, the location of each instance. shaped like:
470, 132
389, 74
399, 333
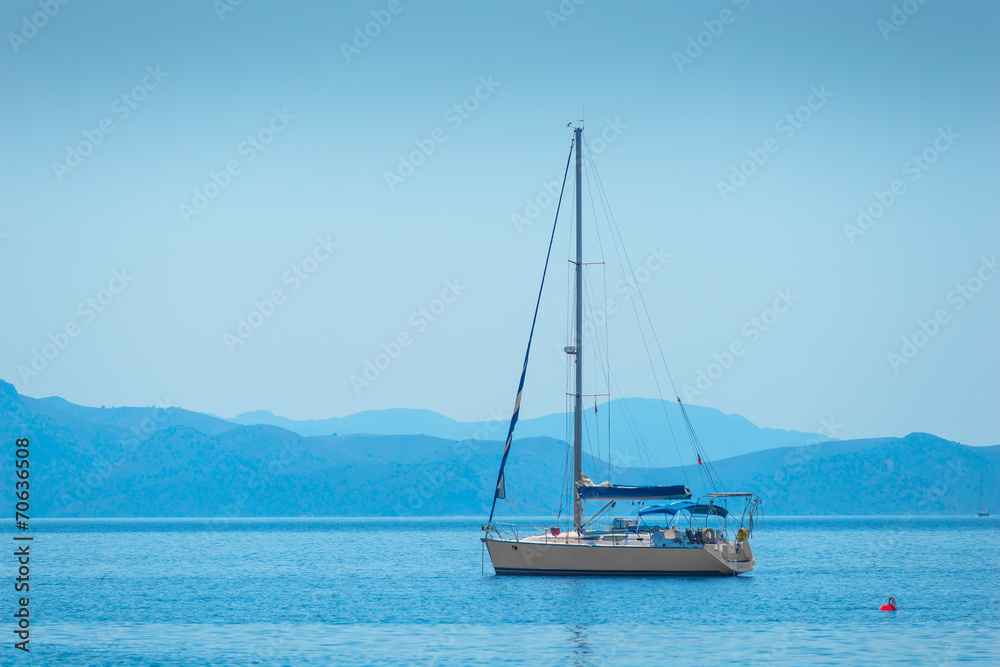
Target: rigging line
589, 291
630, 425
498, 490
647, 460
710, 469
693, 436
600, 366
598, 356
590, 447
592, 305
597, 414
633, 426
708, 463
606, 362
607, 357
540, 509
597, 427
620, 241
523, 516
630, 421
642, 300
649, 357
643, 450
601, 511
563, 490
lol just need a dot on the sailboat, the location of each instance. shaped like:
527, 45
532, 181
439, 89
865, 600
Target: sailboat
982, 510
678, 536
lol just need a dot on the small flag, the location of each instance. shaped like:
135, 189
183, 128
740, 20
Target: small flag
555, 531
699, 459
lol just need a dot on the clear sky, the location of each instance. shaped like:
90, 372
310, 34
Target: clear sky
168, 168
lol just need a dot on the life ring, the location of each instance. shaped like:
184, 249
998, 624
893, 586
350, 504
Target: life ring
708, 535
741, 534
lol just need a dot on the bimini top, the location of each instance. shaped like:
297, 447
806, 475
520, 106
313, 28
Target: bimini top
692, 508
616, 492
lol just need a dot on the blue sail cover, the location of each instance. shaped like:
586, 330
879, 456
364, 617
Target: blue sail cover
616, 492
693, 508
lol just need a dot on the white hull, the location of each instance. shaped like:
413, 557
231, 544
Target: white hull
571, 556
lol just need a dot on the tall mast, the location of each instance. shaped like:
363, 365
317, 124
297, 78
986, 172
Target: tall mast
578, 407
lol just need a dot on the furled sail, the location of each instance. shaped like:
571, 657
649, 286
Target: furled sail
500, 491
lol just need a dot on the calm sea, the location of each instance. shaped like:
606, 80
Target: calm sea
404, 591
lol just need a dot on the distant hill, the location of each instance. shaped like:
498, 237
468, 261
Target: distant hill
642, 429
146, 462
919, 473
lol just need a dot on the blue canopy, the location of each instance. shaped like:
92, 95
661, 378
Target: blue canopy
672, 508
693, 508
616, 492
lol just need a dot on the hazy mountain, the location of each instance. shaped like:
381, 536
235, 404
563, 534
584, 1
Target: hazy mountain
641, 429
919, 473
170, 462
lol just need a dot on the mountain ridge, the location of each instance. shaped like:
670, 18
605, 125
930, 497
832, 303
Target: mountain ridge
169, 462
722, 434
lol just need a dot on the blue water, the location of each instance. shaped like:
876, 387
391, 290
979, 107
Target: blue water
349, 591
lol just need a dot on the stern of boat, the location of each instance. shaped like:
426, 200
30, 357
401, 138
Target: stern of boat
737, 556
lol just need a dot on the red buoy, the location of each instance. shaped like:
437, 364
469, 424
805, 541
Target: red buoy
889, 606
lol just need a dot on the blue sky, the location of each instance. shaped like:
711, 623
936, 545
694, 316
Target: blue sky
248, 161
